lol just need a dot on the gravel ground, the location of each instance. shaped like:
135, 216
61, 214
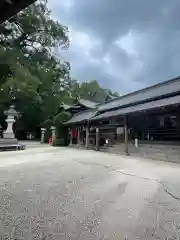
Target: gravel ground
61, 193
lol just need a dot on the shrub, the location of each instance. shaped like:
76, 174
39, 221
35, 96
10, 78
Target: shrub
48, 134
58, 142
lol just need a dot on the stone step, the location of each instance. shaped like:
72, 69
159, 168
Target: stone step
8, 141
154, 146
161, 154
12, 147
154, 156
159, 151
167, 149
166, 158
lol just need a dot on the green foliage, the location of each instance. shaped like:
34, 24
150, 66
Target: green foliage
58, 142
91, 90
33, 78
47, 135
62, 117
61, 129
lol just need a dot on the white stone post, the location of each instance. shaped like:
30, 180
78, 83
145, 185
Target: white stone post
71, 138
42, 134
87, 136
136, 143
53, 129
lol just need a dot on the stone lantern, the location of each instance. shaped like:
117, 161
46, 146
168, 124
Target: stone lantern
53, 129
11, 114
43, 130
9, 142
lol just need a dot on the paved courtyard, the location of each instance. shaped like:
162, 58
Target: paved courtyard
62, 193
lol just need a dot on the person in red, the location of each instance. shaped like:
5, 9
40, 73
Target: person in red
50, 140
73, 133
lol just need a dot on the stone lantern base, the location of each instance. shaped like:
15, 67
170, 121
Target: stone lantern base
9, 142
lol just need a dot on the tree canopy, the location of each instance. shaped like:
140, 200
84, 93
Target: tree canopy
32, 77
91, 90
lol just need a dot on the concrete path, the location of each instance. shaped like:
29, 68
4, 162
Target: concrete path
62, 193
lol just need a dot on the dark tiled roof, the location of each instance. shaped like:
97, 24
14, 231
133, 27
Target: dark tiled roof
65, 106
68, 107
88, 103
161, 89
140, 107
83, 102
82, 116
10, 8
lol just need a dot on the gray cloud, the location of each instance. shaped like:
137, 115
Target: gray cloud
130, 44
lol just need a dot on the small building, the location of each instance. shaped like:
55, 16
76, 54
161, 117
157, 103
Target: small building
138, 123
82, 110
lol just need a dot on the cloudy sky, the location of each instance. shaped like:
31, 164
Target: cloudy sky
124, 44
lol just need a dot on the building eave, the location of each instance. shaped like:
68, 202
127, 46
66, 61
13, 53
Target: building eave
9, 8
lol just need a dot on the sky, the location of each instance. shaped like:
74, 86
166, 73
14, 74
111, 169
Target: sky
123, 44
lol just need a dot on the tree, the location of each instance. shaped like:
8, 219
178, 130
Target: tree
31, 77
91, 90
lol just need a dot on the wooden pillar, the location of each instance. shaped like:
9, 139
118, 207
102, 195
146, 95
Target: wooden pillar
78, 137
87, 136
118, 132
178, 123
126, 135
71, 138
97, 139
